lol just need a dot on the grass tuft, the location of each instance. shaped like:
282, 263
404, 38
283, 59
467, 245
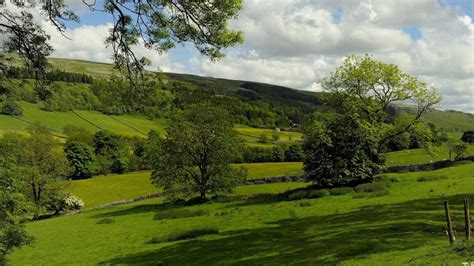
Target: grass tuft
106, 221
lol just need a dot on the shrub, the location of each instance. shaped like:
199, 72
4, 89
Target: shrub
372, 187
11, 108
58, 203
318, 193
190, 234
178, 214
431, 178
341, 191
73, 203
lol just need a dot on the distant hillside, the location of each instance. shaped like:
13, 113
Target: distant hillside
250, 103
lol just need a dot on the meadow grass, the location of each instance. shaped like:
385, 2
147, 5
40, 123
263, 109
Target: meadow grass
420, 156
260, 170
105, 189
406, 226
129, 125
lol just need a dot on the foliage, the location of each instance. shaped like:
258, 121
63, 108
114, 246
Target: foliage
160, 25
459, 149
195, 155
41, 164
345, 151
294, 153
13, 207
110, 153
338, 154
10, 107
468, 136
81, 158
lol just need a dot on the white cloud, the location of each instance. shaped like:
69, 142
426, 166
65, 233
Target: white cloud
296, 43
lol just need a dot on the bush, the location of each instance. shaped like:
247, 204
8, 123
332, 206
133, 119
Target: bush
372, 187
11, 108
178, 214
431, 178
119, 165
190, 234
341, 191
73, 203
318, 193
58, 203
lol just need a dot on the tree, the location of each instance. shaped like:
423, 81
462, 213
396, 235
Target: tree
110, 153
13, 205
362, 91
159, 25
294, 153
194, 156
458, 148
81, 159
338, 154
468, 136
42, 165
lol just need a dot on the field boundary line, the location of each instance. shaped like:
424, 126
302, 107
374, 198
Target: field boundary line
127, 124
87, 120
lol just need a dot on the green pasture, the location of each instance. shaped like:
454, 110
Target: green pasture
406, 226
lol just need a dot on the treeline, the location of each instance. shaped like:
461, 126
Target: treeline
52, 75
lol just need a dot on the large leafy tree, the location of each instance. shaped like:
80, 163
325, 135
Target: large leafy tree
159, 25
43, 166
13, 203
348, 149
195, 156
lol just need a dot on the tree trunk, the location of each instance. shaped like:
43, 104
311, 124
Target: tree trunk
202, 196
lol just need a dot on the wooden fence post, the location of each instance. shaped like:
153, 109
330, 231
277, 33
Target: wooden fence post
467, 219
448, 221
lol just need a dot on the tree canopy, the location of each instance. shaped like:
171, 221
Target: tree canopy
158, 25
194, 156
347, 149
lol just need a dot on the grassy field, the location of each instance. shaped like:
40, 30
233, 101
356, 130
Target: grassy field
420, 156
404, 227
105, 189
255, 134
259, 170
128, 125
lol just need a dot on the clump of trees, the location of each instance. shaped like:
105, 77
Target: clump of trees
195, 155
348, 149
468, 137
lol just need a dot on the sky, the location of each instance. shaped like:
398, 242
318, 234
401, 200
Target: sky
296, 43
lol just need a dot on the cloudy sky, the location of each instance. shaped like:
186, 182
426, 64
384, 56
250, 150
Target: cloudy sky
296, 43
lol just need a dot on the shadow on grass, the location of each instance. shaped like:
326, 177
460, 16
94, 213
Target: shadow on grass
315, 240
